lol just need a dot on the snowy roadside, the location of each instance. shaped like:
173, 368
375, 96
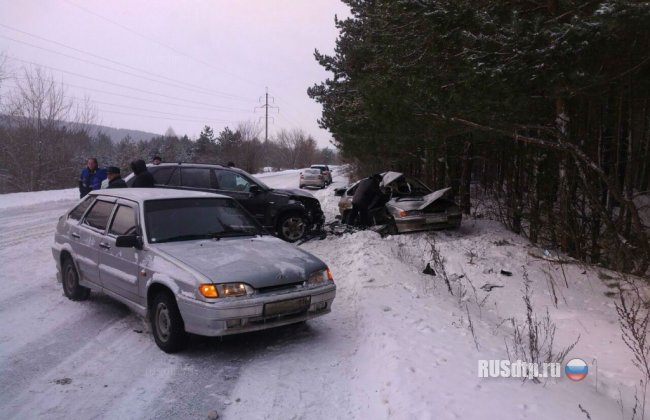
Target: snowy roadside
398, 345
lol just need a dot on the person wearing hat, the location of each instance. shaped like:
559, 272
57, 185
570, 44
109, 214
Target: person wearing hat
367, 196
156, 160
114, 178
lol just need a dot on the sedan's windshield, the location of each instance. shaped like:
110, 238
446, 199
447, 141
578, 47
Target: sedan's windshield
186, 219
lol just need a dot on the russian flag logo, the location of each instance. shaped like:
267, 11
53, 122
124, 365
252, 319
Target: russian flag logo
576, 369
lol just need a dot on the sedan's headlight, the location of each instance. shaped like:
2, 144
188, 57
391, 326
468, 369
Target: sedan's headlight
320, 277
210, 290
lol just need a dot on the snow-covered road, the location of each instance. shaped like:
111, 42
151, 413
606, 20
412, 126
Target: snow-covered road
396, 344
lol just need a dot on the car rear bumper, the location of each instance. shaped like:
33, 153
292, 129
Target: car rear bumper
234, 316
313, 182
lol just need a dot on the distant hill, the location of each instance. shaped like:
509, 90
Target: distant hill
117, 134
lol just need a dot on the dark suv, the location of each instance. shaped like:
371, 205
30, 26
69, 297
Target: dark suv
289, 214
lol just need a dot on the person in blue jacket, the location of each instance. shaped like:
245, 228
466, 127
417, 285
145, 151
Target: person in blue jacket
91, 177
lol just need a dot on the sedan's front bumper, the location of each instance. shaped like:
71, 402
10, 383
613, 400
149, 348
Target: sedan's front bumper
428, 222
238, 315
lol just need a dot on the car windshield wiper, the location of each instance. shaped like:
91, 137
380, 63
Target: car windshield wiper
188, 237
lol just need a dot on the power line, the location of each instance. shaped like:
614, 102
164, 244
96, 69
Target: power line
287, 117
78, 100
216, 92
211, 108
107, 82
202, 92
165, 118
145, 110
159, 43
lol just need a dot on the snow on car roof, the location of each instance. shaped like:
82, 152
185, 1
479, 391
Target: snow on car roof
144, 194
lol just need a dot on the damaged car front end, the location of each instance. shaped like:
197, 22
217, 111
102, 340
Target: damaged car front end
412, 206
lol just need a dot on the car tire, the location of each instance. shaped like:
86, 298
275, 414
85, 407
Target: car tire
167, 324
292, 227
302, 186
70, 281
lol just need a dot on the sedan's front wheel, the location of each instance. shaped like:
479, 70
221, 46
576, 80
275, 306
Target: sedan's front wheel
292, 227
167, 324
70, 280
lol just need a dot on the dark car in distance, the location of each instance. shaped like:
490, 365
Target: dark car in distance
289, 214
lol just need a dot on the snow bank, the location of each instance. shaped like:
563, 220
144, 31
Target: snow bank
22, 199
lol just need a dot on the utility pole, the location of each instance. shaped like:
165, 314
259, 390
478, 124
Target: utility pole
266, 107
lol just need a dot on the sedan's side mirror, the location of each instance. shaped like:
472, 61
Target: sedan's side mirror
254, 189
128, 241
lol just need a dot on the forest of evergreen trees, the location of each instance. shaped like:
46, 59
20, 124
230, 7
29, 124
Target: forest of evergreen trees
537, 107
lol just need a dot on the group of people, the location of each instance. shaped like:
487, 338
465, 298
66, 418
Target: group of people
94, 178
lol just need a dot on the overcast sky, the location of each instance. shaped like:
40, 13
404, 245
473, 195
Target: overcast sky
178, 63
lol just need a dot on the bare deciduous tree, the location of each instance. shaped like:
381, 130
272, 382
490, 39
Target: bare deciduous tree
44, 133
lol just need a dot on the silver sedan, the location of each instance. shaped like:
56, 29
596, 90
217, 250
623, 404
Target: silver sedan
312, 178
191, 262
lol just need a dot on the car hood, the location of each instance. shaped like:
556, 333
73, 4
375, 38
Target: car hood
290, 192
417, 203
259, 262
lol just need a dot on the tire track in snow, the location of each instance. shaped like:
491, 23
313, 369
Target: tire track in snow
35, 359
27, 223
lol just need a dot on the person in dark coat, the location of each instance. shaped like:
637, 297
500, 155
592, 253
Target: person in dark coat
143, 178
91, 177
367, 196
114, 178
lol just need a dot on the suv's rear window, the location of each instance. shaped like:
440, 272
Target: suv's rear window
161, 175
196, 177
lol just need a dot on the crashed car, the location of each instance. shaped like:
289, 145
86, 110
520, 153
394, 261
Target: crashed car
192, 262
291, 214
411, 206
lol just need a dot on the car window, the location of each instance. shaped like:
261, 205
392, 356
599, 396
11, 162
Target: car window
124, 221
97, 216
313, 171
232, 181
81, 208
196, 177
161, 175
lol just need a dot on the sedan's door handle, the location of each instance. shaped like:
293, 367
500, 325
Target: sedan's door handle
104, 245
75, 235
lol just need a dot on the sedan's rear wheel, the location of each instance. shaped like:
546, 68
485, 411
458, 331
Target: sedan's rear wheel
292, 227
167, 324
70, 280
